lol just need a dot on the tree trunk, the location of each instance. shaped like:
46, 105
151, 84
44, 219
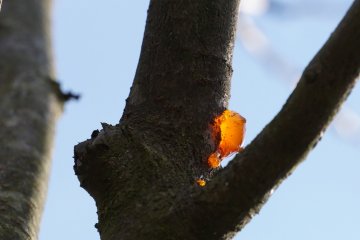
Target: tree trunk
29, 108
138, 169
142, 172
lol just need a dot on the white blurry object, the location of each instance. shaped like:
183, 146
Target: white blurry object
347, 124
252, 38
254, 7
255, 41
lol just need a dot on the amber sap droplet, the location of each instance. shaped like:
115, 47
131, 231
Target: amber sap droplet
229, 127
214, 160
232, 130
201, 182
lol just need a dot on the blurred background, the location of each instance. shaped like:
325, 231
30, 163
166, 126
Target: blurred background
96, 48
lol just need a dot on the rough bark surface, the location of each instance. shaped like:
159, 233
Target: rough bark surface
28, 112
137, 169
239, 190
142, 171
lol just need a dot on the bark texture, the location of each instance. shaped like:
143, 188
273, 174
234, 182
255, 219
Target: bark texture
142, 171
137, 169
238, 192
29, 108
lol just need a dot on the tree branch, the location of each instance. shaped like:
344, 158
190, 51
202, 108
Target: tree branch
142, 171
28, 112
239, 190
185, 58
135, 169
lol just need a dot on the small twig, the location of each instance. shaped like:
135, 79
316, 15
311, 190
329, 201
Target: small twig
64, 96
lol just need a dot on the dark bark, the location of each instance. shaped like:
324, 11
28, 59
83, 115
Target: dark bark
142, 171
137, 169
239, 191
28, 112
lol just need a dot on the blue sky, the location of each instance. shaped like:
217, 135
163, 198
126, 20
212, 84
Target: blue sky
97, 46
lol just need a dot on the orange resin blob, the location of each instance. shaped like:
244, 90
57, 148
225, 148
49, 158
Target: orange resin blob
232, 130
229, 128
214, 160
201, 182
